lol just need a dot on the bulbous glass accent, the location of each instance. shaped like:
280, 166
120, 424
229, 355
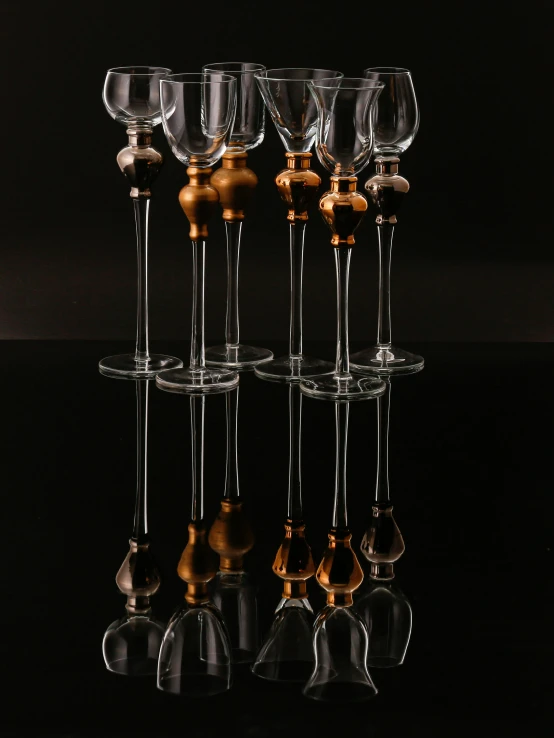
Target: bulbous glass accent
340, 644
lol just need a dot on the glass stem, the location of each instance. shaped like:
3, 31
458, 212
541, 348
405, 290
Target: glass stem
297, 231
341, 424
233, 231
197, 351
197, 405
383, 415
140, 526
342, 262
141, 207
232, 466
384, 338
294, 511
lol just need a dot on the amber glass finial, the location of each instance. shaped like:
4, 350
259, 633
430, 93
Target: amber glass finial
293, 562
198, 564
298, 185
198, 199
231, 535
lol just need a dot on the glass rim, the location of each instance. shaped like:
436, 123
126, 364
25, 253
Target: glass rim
126, 71
171, 79
255, 67
370, 84
388, 70
290, 69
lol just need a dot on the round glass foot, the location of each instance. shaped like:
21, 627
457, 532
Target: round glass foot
237, 356
289, 369
355, 387
125, 365
197, 381
393, 360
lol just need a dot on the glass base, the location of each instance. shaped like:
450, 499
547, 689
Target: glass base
197, 382
393, 360
237, 356
125, 365
355, 387
289, 369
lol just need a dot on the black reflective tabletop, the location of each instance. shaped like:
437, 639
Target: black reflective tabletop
471, 478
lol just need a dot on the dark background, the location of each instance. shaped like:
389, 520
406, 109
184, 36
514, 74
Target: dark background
472, 249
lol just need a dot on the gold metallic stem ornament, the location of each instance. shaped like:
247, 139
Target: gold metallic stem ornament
343, 208
339, 572
139, 161
198, 199
138, 577
235, 183
298, 186
382, 543
386, 189
198, 564
294, 562
231, 536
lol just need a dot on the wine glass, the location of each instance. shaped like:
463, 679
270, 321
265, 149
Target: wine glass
235, 182
396, 123
131, 96
344, 143
294, 113
198, 111
131, 644
195, 656
340, 636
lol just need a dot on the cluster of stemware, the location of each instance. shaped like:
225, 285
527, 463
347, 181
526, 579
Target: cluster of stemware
216, 628
218, 114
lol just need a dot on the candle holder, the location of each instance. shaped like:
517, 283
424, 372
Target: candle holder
344, 144
131, 96
131, 644
396, 124
197, 114
195, 656
286, 654
294, 113
231, 537
340, 636
235, 183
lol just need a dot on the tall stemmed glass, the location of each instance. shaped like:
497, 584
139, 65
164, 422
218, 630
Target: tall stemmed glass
131, 644
235, 183
195, 656
340, 636
395, 126
198, 111
132, 97
344, 144
286, 654
294, 113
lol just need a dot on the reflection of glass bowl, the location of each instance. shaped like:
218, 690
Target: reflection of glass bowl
387, 614
132, 94
195, 657
287, 653
131, 645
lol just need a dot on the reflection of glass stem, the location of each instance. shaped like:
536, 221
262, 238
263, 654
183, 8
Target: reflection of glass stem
297, 231
342, 410
233, 231
384, 336
294, 511
382, 493
232, 491
197, 350
197, 406
140, 527
342, 262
